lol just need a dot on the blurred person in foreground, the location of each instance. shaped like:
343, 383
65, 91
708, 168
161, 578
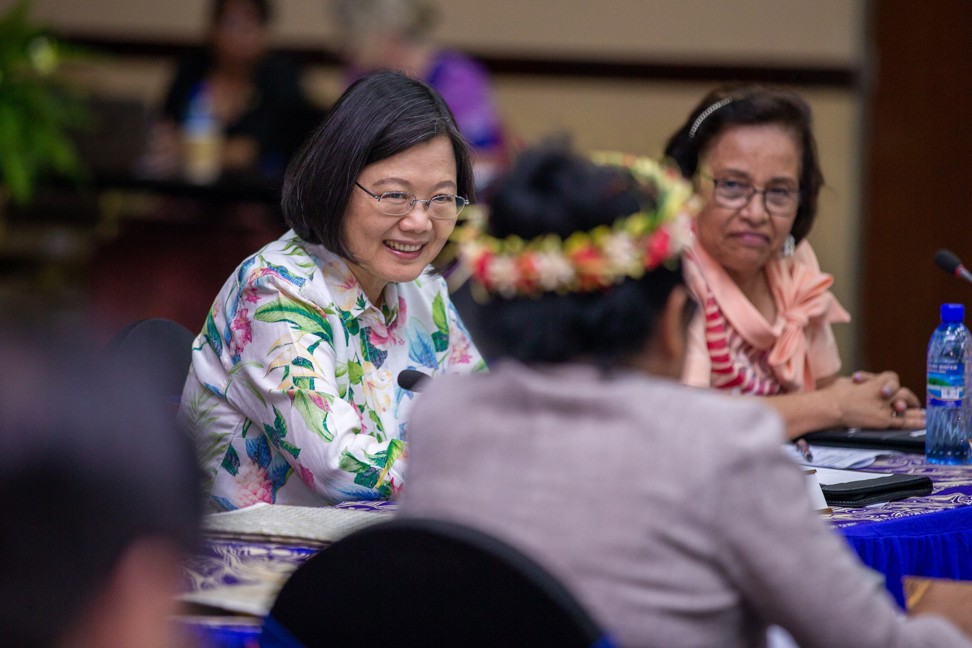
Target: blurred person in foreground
394, 35
581, 447
252, 94
293, 393
101, 499
764, 326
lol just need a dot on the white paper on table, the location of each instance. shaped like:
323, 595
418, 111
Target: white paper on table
294, 524
254, 599
831, 476
833, 457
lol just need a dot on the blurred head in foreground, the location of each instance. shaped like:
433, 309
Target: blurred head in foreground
580, 260
100, 497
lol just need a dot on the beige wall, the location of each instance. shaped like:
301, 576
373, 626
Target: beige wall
633, 115
818, 31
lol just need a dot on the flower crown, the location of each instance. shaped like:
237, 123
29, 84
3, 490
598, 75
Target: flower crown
586, 261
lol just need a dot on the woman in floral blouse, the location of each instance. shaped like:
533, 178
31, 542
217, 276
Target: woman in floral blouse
292, 393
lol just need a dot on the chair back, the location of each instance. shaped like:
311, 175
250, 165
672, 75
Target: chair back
157, 351
426, 582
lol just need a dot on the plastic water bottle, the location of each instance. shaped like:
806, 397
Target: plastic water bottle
949, 405
202, 139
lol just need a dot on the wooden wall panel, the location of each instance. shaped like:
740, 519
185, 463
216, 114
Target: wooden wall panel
918, 189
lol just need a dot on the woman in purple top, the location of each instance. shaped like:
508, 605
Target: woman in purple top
392, 34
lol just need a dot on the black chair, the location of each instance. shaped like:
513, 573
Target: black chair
429, 583
156, 351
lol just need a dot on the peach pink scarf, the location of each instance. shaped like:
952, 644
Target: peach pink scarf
751, 355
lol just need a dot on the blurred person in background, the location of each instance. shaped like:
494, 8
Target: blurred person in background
764, 326
235, 111
394, 35
101, 497
250, 95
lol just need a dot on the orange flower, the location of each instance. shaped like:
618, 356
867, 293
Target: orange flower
590, 266
526, 265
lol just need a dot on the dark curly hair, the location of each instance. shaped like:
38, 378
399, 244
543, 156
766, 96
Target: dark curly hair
552, 190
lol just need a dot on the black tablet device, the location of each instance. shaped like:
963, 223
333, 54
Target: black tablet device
904, 440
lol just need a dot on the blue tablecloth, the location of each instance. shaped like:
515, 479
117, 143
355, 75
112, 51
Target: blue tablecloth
919, 536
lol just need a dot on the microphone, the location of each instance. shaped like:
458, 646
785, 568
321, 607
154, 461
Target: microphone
947, 261
411, 380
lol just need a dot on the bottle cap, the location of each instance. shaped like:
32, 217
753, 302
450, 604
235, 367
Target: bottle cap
953, 312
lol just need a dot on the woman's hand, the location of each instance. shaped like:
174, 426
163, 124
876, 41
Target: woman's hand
869, 400
864, 400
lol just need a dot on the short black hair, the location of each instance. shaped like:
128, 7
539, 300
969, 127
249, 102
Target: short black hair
551, 190
89, 463
218, 8
379, 116
753, 105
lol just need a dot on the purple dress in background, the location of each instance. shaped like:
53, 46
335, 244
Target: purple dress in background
465, 86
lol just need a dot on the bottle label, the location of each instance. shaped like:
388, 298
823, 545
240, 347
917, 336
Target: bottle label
946, 384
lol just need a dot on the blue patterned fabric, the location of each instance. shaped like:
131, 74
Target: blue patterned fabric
919, 536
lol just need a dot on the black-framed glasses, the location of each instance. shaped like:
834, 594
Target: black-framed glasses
399, 203
736, 194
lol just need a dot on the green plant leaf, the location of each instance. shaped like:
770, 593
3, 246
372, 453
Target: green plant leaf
37, 109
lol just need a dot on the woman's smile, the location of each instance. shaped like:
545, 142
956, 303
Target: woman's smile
409, 250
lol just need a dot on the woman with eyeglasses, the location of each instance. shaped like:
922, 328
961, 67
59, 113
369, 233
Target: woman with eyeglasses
764, 323
293, 393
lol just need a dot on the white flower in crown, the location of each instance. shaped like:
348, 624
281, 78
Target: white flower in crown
621, 252
470, 252
471, 249
553, 270
680, 229
503, 273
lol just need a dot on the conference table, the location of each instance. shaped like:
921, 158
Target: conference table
927, 536
918, 536
230, 583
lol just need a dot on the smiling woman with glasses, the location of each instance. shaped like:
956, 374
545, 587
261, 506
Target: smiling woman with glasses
765, 324
293, 392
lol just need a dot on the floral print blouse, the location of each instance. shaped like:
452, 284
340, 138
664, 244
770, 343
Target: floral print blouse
293, 395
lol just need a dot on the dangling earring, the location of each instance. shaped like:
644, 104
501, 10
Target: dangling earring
789, 245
